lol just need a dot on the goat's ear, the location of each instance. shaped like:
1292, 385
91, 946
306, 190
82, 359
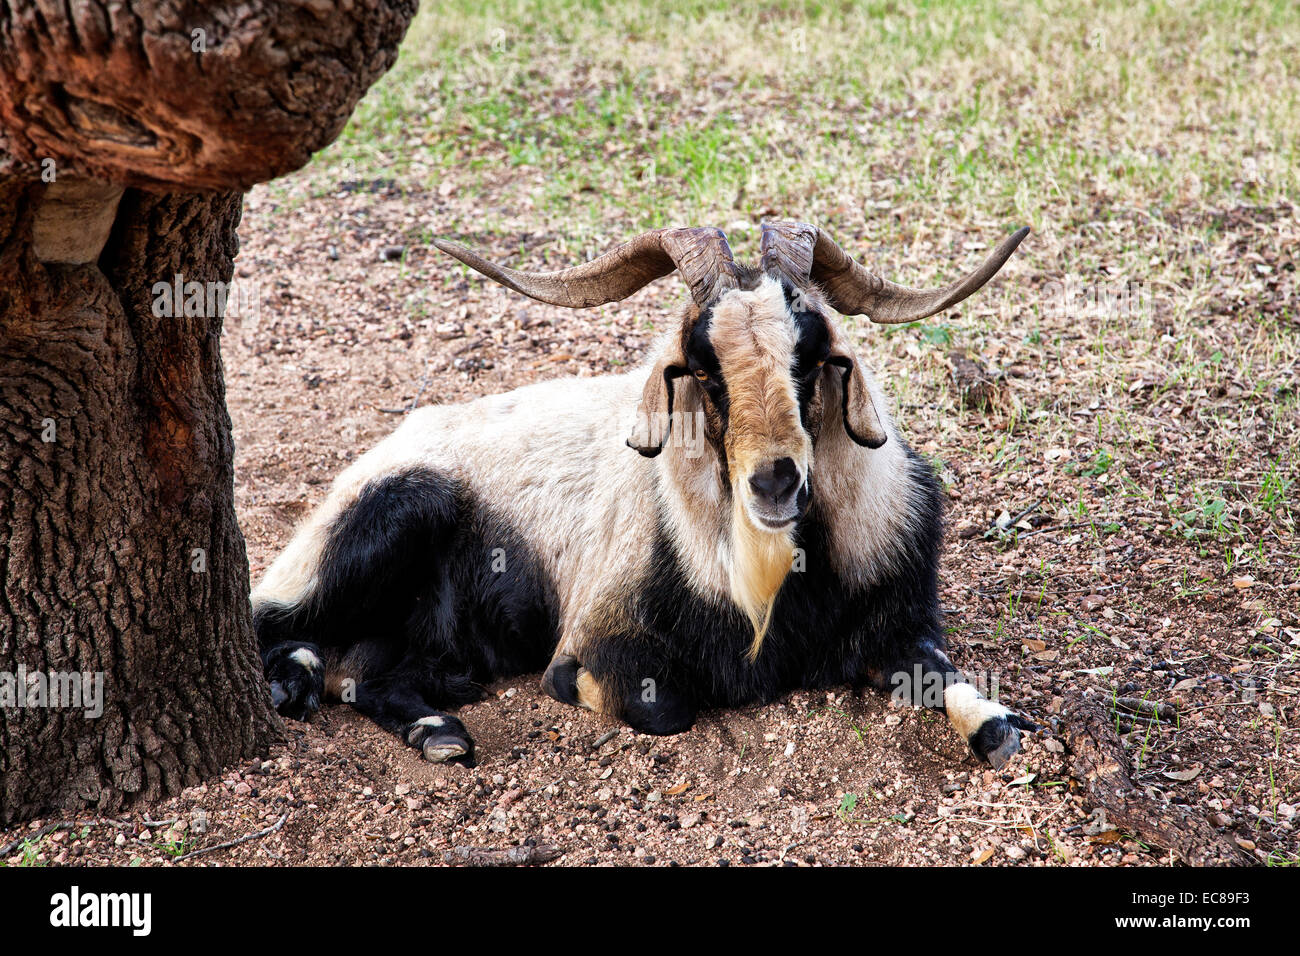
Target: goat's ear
654, 413
860, 418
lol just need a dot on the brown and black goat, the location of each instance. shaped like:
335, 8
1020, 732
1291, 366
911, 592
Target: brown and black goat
767, 529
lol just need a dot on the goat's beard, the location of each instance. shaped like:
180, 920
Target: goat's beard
760, 561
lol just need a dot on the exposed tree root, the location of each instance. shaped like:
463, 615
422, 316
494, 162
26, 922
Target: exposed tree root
1099, 763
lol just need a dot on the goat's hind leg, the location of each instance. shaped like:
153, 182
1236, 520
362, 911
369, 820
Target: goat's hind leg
399, 705
927, 678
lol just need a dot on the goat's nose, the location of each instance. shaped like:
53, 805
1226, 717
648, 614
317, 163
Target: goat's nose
776, 480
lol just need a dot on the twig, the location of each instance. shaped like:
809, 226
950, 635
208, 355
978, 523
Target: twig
1054, 527
419, 393
514, 856
1147, 708
34, 835
1011, 525
424, 383
228, 844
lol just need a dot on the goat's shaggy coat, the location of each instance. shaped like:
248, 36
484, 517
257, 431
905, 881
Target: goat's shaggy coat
775, 532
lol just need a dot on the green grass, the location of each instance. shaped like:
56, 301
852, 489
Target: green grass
995, 112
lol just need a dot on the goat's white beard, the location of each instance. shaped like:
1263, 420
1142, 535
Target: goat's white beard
760, 561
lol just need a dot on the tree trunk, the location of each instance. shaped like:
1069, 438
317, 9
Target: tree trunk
119, 549
121, 563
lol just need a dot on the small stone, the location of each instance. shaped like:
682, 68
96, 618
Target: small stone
392, 253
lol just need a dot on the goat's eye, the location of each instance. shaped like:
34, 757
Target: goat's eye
702, 375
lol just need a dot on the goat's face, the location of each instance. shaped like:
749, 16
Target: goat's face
757, 362
764, 363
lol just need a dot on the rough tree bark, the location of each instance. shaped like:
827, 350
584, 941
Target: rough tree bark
119, 548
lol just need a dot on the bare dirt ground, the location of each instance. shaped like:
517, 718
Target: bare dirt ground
1122, 489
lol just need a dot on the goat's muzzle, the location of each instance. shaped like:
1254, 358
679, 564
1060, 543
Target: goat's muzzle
778, 494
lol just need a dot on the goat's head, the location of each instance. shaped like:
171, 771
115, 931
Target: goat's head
760, 355
758, 351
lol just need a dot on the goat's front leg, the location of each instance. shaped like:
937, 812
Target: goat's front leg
619, 686
925, 677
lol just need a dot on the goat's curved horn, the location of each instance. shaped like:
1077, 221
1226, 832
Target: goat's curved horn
853, 290
786, 249
701, 255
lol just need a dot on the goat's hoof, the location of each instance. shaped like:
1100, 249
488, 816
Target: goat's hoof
561, 679
441, 738
998, 739
663, 715
297, 677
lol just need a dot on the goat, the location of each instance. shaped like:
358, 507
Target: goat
769, 529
